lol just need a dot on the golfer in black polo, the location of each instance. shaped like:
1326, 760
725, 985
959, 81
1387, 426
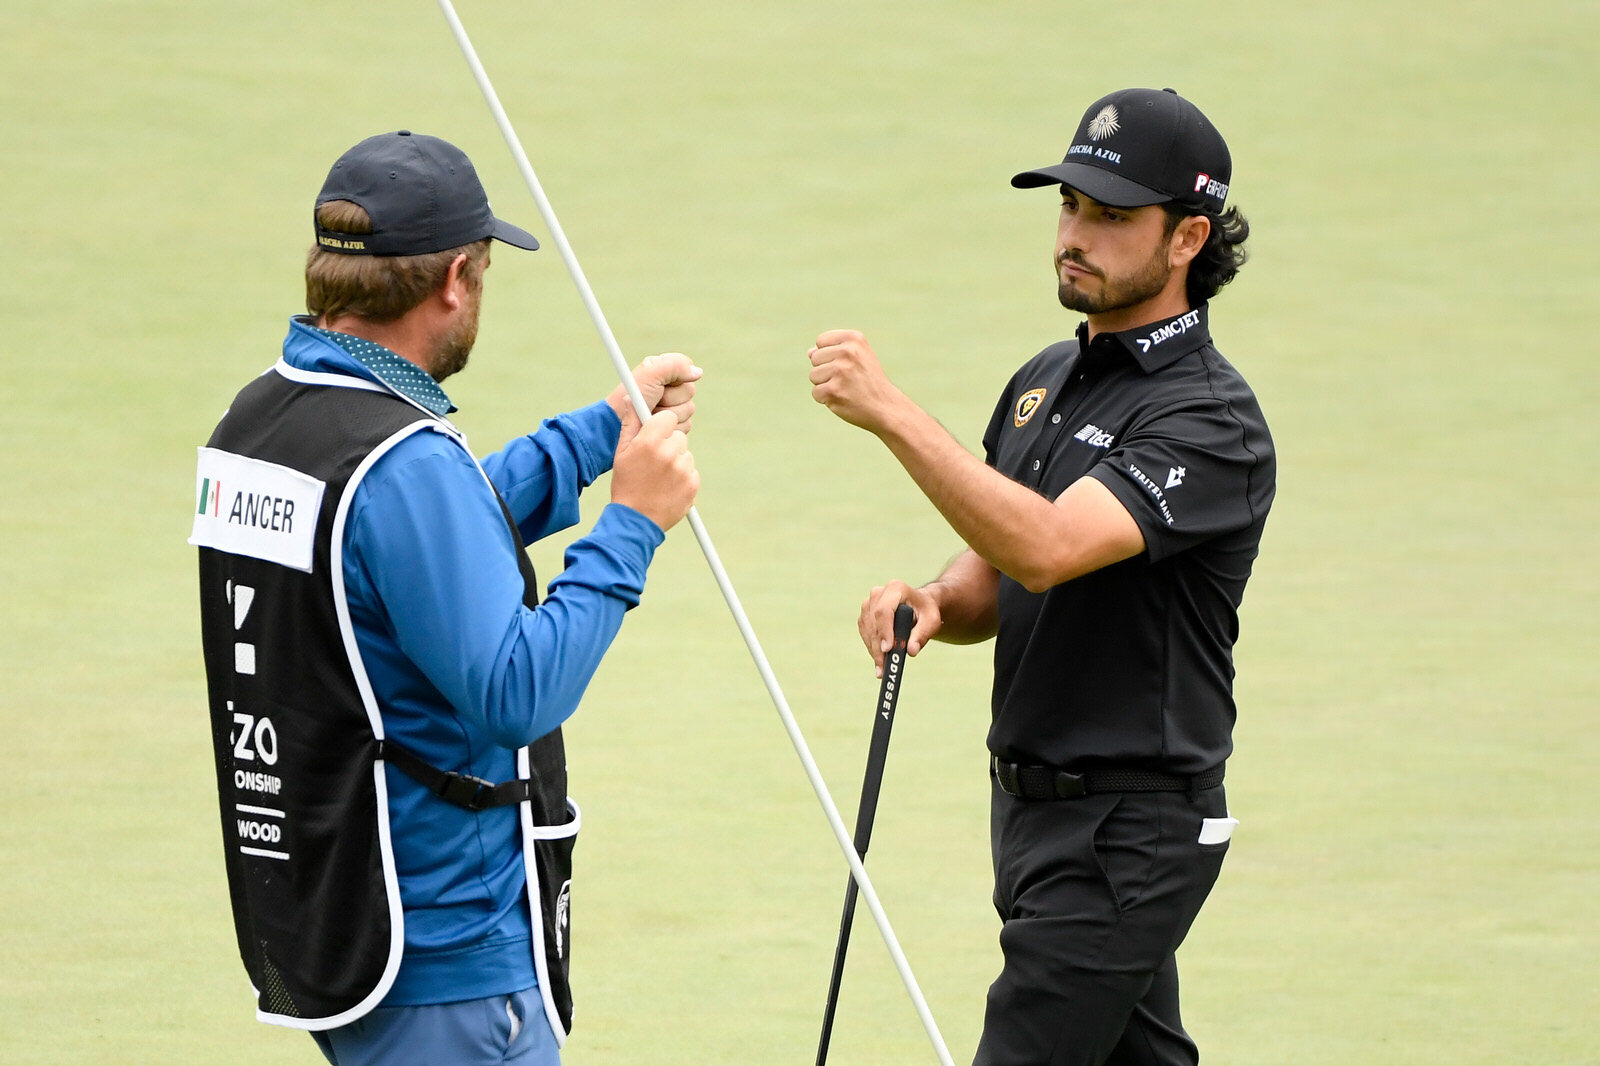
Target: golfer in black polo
1109, 538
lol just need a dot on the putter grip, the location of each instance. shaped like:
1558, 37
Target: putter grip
904, 619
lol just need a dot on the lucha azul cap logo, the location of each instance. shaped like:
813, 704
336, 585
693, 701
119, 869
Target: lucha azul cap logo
1027, 404
1104, 124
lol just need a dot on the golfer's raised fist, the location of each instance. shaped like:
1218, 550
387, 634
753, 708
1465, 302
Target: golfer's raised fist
654, 470
848, 380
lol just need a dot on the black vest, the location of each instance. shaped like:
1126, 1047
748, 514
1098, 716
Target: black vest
296, 731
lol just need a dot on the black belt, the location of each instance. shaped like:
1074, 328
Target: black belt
1049, 783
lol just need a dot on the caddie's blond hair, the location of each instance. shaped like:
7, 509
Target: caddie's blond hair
379, 288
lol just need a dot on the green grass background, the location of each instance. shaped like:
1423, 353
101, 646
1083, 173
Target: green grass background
1416, 875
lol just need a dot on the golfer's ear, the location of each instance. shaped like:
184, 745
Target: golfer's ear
1188, 238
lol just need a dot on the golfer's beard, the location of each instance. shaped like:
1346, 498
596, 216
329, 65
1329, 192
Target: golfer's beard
1117, 293
450, 356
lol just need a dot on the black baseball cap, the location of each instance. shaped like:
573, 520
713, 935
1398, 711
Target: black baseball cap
1143, 146
423, 196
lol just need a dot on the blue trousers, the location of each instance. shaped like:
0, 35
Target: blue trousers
510, 1030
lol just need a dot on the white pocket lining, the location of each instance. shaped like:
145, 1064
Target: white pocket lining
1217, 830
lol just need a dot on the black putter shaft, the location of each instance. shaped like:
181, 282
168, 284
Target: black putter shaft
883, 721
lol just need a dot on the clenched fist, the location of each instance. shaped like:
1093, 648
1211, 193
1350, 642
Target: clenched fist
667, 382
654, 470
848, 380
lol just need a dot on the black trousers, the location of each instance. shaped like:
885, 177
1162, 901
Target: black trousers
1095, 895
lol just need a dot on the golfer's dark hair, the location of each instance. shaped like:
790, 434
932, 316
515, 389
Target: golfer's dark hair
1220, 257
377, 288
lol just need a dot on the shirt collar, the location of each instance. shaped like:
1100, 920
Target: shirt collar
395, 371
1155, 344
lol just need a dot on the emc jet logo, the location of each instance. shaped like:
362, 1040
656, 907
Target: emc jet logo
1176, 328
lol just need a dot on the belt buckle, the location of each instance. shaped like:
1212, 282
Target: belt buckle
1069, 786
467, 791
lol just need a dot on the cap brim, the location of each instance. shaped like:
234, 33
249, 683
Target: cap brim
518, 237
1102, 185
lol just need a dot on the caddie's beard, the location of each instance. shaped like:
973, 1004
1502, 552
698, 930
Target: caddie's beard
450, 355
1114, 294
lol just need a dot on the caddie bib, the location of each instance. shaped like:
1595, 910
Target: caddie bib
296, 732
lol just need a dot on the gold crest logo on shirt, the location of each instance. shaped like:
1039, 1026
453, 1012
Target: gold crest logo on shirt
1027, 403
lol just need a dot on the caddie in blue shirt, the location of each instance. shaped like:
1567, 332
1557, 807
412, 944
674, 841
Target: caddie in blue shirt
386, 688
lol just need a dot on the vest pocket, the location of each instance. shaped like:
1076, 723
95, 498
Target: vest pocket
548, 854
561, 830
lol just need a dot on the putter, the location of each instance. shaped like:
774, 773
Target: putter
883, 721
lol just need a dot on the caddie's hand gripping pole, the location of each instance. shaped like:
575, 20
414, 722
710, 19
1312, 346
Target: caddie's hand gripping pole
840, 833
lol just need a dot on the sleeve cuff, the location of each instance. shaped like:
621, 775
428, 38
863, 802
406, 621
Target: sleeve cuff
1138, 505
597, 431
633, 524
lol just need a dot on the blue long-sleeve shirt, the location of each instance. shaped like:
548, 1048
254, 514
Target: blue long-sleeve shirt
462, 672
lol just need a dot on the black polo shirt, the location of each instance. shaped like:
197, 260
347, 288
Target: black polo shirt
1132, 665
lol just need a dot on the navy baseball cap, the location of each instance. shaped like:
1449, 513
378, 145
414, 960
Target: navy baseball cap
1143, 146
423, 196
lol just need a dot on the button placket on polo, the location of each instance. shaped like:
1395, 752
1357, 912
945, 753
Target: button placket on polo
1073, 390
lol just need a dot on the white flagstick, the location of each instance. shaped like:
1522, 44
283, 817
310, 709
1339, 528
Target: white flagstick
841, 834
